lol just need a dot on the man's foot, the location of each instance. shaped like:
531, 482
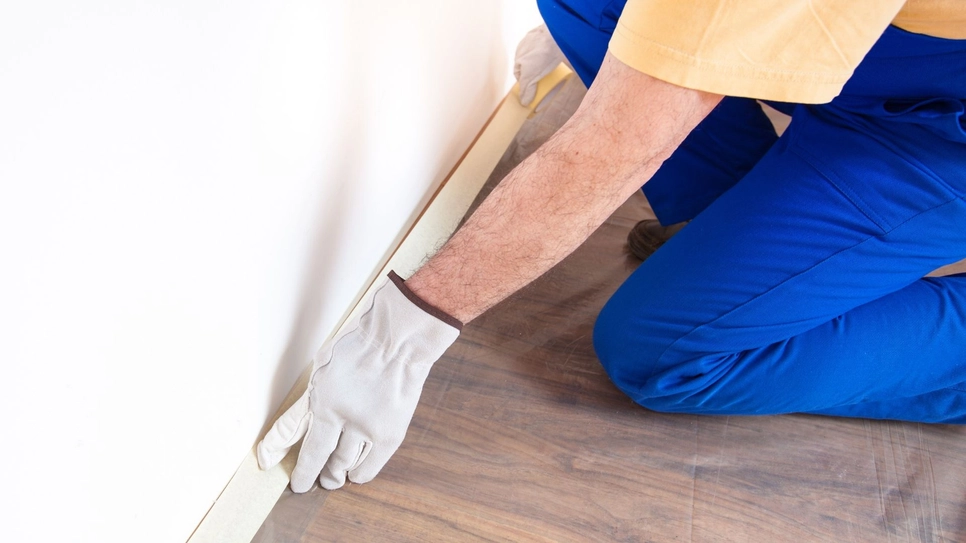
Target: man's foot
648, 235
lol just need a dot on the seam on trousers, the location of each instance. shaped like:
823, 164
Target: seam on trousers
842, 188
869, 130
800, 274
912, 160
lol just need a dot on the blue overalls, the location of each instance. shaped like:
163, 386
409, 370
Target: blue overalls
798, 284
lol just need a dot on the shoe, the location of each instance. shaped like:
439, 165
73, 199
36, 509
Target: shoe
648, 235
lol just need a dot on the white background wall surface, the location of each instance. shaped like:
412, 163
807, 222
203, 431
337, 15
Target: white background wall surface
191, 193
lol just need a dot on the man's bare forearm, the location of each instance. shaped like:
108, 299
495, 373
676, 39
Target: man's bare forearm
627, 126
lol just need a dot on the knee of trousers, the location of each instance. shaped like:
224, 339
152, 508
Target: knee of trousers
582, 30
559, 16
644, 363
597, 14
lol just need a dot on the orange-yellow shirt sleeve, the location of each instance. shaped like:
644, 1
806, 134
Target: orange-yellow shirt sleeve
799, 51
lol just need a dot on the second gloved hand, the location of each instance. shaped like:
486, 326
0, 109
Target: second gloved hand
363, 390
537, 55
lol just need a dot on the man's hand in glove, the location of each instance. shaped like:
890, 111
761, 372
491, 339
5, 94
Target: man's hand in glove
363, 390
537, 55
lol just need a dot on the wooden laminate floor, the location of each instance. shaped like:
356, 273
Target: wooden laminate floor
519, 436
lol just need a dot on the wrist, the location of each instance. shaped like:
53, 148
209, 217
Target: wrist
421, 303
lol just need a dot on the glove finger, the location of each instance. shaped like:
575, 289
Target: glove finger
351, 451
319, 443
530, 80
373, 463
287, 430
528, 93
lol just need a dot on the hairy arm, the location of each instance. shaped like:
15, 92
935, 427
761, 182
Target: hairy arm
627, 125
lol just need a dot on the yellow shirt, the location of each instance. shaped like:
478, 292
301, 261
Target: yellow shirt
787, 50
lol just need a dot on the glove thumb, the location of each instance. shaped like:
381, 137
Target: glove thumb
528, 93
287, 431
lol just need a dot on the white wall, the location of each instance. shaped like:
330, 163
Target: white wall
191, 192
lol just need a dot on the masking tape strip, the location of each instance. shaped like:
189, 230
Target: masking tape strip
251, 493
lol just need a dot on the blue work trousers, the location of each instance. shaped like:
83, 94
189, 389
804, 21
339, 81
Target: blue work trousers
798, 285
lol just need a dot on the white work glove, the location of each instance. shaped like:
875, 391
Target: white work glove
364, 387
537, 55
